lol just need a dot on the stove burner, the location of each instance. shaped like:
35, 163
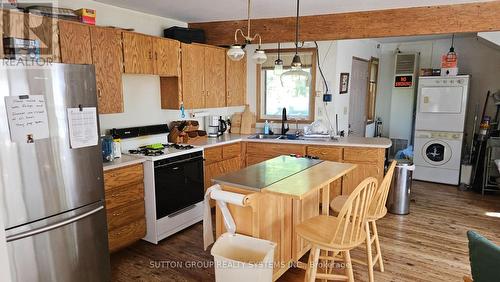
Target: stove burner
178, 146
146, 151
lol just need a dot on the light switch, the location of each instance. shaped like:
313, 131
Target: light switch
345, 110
426, 99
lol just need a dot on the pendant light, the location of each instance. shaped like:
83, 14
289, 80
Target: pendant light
296, 75
451, 56
236, 52
278, 64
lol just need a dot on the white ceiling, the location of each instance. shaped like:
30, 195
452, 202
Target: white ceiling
220, 10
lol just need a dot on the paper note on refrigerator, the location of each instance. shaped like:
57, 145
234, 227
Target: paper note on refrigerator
27, 117
82, 123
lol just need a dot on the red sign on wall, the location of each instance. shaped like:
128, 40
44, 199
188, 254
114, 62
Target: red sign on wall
403, 81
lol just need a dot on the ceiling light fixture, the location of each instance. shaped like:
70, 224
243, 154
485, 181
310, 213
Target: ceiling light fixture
236, 51
452, 55
278, 64
296, 74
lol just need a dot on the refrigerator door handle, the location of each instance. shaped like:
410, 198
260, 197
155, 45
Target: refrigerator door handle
52, 226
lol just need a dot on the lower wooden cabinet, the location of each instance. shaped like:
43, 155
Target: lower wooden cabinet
124, 194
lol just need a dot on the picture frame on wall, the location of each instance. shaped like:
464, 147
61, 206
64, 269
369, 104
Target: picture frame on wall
344, 82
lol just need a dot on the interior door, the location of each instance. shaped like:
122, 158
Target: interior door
358, 97
192, 76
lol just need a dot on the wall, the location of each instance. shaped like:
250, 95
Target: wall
335, 57
141, 93
479, 60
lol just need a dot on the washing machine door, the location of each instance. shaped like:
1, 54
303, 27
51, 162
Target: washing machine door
436, 152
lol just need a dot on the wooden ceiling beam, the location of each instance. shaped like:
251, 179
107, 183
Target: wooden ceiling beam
459, 18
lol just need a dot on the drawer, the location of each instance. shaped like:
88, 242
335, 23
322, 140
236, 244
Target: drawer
126, 235
273, 149
363, 155
231, 151
213, 154
123, 176
125, 214
124, 195
329, 153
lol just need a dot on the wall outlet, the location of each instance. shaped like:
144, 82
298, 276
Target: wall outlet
320, 112
345, 110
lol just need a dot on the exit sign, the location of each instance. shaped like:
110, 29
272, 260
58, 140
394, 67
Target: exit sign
404, 81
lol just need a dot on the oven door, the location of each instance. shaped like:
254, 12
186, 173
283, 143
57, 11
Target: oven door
178, 185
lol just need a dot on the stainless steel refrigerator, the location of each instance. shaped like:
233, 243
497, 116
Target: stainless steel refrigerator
52, 193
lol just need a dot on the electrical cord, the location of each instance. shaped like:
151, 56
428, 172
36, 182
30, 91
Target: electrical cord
319, 67
326, 86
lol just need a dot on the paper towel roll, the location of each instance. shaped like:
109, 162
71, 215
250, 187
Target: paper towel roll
229, 197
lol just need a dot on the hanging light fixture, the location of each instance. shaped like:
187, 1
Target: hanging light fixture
278, 64
296, 74
236, 51
451, 56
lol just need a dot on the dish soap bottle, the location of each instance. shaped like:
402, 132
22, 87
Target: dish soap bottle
266, 128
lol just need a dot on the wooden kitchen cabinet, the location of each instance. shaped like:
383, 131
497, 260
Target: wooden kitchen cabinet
236, 82
327, 153
203, 76
259, 151
108, 61
370, 162
166, 57
125, 210
193, 93
214, 77
138, 53
75, 43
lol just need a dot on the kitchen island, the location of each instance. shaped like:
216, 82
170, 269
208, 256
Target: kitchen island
284, 191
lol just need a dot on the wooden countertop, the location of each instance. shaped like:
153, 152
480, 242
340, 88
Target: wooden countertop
286, 176
299, 185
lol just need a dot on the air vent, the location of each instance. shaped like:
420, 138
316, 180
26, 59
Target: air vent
405, 63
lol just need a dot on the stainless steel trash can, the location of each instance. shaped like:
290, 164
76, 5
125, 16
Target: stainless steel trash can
398, 201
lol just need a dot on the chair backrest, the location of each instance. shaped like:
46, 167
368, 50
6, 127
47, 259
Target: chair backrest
380, 198
353, 215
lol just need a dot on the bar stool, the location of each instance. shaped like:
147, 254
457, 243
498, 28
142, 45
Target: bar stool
377, 211
338, 234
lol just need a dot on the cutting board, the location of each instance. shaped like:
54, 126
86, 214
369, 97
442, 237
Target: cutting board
236, 123
247, 119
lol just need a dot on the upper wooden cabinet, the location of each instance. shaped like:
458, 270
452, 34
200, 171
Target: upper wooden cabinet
193, 93
83, 44
203, 76
236, 82
108, 61
138, 53
166, 57
215, 77
74, 39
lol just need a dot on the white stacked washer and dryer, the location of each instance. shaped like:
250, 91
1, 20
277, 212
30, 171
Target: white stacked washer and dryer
439, 128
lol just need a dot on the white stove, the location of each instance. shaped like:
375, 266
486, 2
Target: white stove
173, 182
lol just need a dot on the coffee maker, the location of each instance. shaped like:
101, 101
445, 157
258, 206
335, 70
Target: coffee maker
215, 126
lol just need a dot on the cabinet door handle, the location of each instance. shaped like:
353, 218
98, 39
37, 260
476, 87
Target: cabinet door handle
156, 56
99, 93
228, 94
207, 93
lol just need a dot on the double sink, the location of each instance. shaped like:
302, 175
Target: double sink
285, 137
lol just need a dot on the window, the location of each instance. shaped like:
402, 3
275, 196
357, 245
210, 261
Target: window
272, 96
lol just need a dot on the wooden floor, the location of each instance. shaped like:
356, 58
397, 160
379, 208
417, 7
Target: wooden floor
429, 244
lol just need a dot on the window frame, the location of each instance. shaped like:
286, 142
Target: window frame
260, 84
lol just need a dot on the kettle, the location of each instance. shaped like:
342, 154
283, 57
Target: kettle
222, 126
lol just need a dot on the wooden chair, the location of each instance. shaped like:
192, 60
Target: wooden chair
377, 211
338, 234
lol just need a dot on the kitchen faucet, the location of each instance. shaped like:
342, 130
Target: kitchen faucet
283, 120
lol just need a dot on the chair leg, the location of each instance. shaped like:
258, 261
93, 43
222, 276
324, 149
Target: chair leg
377, 246
313, 264
369, 257
348, 266
309, 266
